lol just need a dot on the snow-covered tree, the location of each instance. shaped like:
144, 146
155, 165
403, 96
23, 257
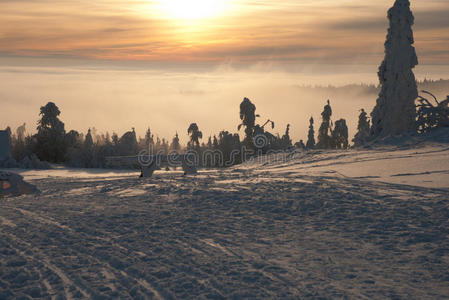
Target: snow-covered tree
431, 116
149, 138
286, 140
209, 142
18, 144
50, 134
88, 152
115, 139
175, 145
363, 129
311, 136
127, 144
248, 117
395, 111
195, 135
324, 138
89, 141
20, 131
340, 135
165, 146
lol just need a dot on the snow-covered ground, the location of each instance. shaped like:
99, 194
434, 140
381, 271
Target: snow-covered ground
367, 224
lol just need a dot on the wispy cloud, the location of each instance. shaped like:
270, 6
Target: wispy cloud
250, 30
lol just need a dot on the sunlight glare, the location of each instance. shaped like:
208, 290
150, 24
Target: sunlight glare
193, 9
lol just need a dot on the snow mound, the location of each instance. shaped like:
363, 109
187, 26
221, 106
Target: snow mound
413, 140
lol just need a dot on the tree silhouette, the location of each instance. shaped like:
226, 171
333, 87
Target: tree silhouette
363, 129
149, 138
88, 141
395, 111
340, 135
21, 133
248, 117
311, 136
324, 139
50, 134
195, 135
127, 144
286, 140
88, 152
175, 145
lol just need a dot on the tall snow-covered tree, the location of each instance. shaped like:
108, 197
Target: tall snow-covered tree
363, 129
311, 136
50, 135
395, 111
248, 117
324, 138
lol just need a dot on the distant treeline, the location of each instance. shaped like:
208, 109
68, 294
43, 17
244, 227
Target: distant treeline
438, 87
52, 143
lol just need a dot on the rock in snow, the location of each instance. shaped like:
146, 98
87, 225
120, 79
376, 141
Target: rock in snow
395, 111
12, 184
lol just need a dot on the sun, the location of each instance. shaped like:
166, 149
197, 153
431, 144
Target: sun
193, 9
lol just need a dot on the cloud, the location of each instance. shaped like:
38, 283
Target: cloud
252, 30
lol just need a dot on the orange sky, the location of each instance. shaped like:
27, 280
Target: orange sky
242, 31
116, 64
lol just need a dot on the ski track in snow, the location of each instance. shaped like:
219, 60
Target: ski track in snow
305, 228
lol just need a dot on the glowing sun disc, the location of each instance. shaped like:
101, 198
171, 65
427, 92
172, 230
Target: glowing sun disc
193, 9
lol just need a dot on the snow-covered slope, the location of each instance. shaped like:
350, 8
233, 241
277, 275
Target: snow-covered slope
426, 167
366, 224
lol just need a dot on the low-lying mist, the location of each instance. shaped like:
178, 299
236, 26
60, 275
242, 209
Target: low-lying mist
116, 100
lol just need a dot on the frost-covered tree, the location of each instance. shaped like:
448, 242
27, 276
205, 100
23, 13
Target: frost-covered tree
149, 138
88, 152
20, 131
165, 146
50, 134
363, 129
311, 136
114, 139
340, 135
229, 146
286, 141
395, 111
248, 117
89, 141
19, 147
175, 145
432, 115
324, 138
195, 135
127, 144
209, 142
